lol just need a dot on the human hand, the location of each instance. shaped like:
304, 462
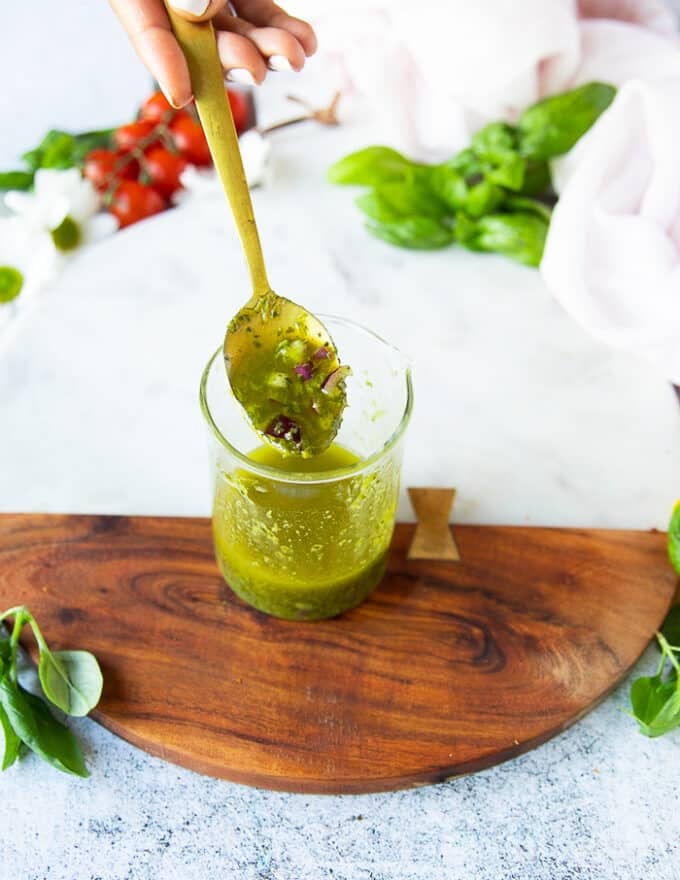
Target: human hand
258, 35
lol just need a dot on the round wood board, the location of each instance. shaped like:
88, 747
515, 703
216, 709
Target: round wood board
448, 668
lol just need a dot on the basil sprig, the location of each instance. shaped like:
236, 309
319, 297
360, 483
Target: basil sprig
58, 149
655, 699
71, 680
495, 195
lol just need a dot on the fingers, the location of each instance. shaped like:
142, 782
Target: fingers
261, 35
240, 58
149, 30
197, 10
280, 49
265, 13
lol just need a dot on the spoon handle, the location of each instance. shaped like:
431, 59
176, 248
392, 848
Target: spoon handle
197, 41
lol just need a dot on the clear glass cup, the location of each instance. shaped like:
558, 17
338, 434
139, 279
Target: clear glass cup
301, 544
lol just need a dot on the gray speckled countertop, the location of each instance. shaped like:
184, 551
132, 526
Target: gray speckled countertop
599, 801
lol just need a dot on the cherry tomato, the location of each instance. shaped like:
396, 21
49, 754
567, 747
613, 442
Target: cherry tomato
133, 201
164, 169
156, 108
190, 140
240, 109
127, 137
102, 167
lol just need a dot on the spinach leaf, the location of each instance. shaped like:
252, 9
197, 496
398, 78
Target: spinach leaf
372, 167
552, 126
72, 680
39, 730
417, 233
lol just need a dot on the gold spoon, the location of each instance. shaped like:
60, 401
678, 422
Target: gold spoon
281, 361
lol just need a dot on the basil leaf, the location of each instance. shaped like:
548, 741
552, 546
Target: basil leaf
520, 236
21, 180
392, 201
509, 172
40, 731
60, 149
552, 126
656, 704
473, 193
496, 142
674, 539
537, 178
72, 680
531, 206
417, 233
670, 628
12, 741
372, 167
483, 198
448, 184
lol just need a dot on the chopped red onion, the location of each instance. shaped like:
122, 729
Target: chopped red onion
304, 370
284, 428
322, 354
332, 379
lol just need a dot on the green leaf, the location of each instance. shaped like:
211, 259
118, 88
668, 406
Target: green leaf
448, 184
496, 142
656, 704
537, 178
552, 127
532, 206
72, 680
60, 149
509, 172
393, 201
372, 167
12, 741
21, 180
483, 198
674, 539
471, 192
520, 236
670, 629
40, 731
417, 233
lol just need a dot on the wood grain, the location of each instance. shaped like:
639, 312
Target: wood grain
448, 668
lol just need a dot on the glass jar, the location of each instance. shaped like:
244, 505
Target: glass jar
311, 540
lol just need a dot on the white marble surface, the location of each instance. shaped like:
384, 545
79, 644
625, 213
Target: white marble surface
539, 424
531, 419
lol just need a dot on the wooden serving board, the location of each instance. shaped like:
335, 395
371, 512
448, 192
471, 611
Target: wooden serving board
447, 669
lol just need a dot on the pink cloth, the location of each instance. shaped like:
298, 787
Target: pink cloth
612, 258
435, 71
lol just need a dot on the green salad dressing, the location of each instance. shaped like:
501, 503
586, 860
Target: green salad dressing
286, 375
302, 549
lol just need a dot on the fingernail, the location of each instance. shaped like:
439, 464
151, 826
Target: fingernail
195, 7
173, 101
241, 76
279, 62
